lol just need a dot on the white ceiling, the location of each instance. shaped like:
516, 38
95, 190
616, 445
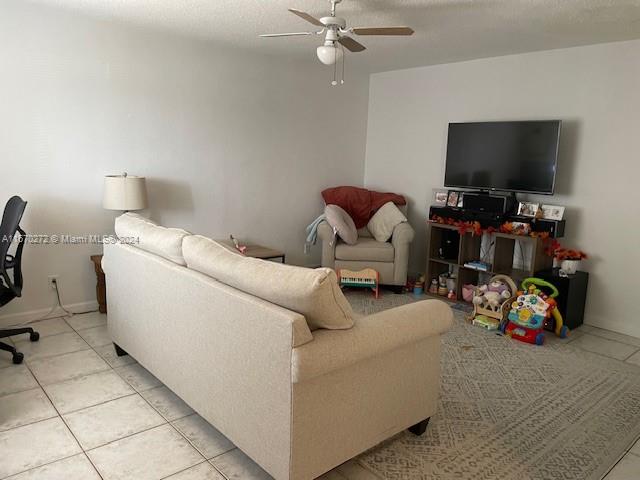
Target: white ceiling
446, 30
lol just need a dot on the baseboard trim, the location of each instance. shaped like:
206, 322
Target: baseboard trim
14, 319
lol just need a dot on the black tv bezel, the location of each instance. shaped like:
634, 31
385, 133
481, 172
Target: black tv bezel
493, 189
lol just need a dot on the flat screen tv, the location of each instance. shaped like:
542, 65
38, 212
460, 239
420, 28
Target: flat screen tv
505, 156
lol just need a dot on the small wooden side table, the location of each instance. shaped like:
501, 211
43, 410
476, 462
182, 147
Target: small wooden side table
257, 251
101, 286
264, 253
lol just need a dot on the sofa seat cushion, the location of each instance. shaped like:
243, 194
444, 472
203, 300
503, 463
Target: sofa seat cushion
367, 249
151, 237
313, 293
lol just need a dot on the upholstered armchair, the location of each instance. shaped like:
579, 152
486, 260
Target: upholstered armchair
390, 259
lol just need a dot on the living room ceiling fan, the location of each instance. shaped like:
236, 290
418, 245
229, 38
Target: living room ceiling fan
337, 36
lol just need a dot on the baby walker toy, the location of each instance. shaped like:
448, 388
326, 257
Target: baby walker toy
532, 311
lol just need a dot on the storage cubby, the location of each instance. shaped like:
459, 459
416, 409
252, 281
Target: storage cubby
501, 256
470, 248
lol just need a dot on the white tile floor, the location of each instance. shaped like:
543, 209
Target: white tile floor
75, 410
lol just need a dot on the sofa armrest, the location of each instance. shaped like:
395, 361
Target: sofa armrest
371, 336
402, 236
329, 239
401, 240
325, 232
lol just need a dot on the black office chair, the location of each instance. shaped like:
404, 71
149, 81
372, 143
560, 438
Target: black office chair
11, 288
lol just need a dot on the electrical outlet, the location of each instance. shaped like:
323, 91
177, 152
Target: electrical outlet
53, 281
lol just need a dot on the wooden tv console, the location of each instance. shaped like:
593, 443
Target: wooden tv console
502, 260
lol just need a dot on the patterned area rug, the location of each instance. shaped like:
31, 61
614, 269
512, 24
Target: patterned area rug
509, 410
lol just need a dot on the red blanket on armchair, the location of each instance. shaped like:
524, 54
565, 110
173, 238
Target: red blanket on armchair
359, 203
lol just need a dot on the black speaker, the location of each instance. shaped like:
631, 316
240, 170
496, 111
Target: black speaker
481, 202
573, 294
445, 212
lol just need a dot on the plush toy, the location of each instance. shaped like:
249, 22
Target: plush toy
434, 287
493, 299
497, 286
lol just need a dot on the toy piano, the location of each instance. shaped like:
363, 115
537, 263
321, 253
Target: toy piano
367, 278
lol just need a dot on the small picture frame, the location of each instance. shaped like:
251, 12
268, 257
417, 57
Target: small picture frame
440, 197
552, 212
453, 198
528, 209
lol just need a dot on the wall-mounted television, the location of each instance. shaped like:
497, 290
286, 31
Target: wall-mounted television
506, 156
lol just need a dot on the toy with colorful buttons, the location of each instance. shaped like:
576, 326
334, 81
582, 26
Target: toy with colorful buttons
533, 310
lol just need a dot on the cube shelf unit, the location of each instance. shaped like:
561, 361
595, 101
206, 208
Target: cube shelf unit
502, 261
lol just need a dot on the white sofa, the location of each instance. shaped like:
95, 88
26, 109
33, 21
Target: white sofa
298, 402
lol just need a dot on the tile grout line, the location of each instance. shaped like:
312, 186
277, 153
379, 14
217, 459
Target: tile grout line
49, 463
62, 419
180, 471
139, 393
627, 358
35, 421
120, 376
602, 354
611, 340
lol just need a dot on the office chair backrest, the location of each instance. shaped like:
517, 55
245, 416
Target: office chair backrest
10, 229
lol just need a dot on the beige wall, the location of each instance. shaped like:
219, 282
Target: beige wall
230, 141
594, 89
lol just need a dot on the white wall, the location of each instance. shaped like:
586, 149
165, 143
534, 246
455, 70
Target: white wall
230, 141
594, 89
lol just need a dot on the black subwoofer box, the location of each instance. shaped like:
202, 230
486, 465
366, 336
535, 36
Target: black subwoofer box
572, 297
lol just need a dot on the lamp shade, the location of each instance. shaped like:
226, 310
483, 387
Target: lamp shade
124, 192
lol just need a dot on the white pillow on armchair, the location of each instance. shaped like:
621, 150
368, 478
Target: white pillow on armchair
384, 221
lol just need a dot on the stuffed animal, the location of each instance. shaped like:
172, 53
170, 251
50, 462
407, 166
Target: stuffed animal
492, 299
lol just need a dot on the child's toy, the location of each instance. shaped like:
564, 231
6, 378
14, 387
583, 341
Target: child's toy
467, 292
433, 289
367, 278
493, 300
442, 285
451, 295
532, 311
241, 248
418, 287
486, 322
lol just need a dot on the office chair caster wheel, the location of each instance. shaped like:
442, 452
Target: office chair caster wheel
34, 337
17, 358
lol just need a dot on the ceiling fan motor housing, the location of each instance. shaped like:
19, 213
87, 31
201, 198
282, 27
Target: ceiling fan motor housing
335, 22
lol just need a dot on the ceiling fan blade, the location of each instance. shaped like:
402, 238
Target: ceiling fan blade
296, 34
351, 45
306, 16
383, 31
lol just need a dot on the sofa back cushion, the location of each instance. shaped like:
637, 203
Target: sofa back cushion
313, 293
154, 238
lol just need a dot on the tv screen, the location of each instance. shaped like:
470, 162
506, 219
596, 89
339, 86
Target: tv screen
508, 156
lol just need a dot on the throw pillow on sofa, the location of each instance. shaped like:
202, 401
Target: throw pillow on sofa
341, 223
154, 238
384, 221
313, 293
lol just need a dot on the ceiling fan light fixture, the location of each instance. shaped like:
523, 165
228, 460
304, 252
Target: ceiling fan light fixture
329, 54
